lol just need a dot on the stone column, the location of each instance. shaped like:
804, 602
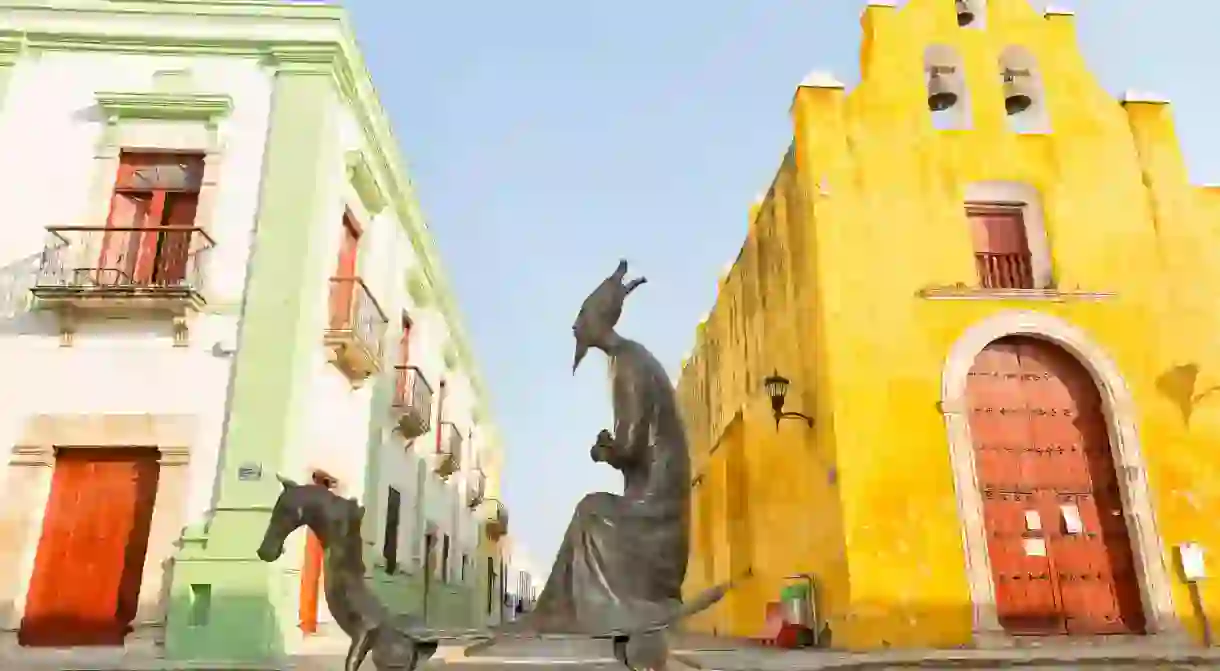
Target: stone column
225, 602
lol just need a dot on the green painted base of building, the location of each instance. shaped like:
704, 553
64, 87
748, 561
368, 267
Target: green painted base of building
228, 607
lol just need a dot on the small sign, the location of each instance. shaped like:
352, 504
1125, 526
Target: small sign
1191, 555
1033, 521
249, 471
1035, 547
1071, 519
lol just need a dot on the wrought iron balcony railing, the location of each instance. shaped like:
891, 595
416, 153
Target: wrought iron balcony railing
413, 401
112, 260
495, 522
122, 268
476, 488
356, 328
449, 450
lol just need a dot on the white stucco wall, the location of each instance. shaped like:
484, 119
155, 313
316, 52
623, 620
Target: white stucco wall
50, 128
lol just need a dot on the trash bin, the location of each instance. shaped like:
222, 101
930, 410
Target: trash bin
797, 605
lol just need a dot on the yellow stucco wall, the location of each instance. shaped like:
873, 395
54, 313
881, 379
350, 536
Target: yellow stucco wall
864, 215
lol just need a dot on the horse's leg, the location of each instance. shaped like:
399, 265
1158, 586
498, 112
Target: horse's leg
359, 649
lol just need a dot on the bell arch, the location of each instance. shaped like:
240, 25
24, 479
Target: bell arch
1120, 411
947, 95
1024, 95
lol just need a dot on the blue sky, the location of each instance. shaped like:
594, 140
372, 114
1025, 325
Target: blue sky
549, 137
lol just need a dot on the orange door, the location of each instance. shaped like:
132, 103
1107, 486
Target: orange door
1060, 553
85, 586
341, 292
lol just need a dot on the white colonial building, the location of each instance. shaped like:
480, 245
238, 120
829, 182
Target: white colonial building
214, 271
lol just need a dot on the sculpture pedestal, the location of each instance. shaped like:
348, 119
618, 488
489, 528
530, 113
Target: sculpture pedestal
556, 647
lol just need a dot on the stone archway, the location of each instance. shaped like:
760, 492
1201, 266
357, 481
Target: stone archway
1120, 415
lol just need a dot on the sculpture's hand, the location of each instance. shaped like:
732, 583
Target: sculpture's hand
603, 447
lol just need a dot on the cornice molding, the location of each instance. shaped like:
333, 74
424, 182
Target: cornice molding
207, 108
12, 45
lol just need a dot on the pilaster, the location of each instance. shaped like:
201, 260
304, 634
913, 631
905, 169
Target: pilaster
225, 601
12, 47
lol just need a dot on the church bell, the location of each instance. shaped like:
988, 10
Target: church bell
965, 16
1018, 95
941, 95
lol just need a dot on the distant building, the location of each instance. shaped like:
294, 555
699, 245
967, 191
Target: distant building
992, 290
214, 271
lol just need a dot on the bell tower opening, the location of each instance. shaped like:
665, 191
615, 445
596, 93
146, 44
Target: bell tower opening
948, 99
1024, 97
971, 13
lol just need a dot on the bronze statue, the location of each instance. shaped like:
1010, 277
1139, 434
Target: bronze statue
398, 642
619, 571
620, 568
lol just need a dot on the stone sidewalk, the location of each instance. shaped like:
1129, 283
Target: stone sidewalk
1117, 656
700, 653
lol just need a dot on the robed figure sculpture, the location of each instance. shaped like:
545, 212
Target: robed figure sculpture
623, 558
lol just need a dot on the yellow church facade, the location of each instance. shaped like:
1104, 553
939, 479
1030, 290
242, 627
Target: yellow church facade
997, 298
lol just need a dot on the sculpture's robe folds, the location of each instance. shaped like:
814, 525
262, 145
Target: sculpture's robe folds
623, 558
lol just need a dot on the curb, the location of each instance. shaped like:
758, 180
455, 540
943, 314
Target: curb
689, 660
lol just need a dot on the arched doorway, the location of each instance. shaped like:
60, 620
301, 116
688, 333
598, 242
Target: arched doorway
1057, 539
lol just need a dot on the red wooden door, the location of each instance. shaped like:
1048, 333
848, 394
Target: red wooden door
151, 190
1060, 553
85, 586
343, 291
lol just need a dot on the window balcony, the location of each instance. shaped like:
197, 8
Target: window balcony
476, 488
355, 330
1005, 270
122, 271
412, 402
495, 519
449, 450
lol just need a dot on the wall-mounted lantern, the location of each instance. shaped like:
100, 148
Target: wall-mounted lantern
777, 388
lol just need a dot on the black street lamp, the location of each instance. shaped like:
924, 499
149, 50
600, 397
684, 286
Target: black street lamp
777, 388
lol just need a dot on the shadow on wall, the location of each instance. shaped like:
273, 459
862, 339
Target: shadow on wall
1179, 385
16, 280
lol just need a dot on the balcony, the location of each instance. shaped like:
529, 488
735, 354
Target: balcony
412, 402
356, 329
495, 520
449, 450
476, 488
1005, 271
121, 272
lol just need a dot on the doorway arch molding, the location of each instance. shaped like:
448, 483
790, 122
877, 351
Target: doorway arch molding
1121, 421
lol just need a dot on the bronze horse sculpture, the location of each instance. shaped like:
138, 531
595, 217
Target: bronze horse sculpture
619, 571
397, 642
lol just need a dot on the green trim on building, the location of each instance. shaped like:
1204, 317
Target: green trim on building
205, 107
272, 367
10, 52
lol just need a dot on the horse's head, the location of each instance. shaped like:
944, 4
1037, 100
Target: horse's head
329, 516
287, 515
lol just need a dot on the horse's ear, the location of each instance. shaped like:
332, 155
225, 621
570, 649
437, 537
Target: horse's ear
360, 512
288, 484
